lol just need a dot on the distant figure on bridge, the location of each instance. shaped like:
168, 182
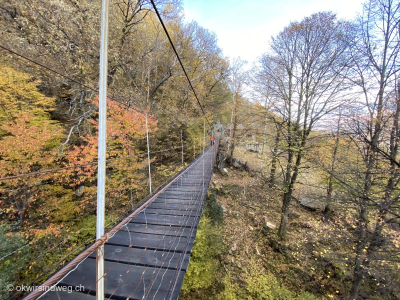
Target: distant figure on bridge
212, 140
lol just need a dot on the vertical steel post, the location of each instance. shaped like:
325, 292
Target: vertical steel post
204, 145
148, 154
183, 165
101, 167
204, 133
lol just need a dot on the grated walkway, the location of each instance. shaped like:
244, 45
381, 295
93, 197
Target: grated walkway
148, 257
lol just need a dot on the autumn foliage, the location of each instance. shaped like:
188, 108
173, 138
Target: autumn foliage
47, 187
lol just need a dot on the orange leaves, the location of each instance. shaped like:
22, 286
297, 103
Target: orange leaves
50, 230
24, 146
126, 129
125, 126
28, 143
28, 138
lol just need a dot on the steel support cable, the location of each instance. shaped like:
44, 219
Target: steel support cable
67, 77
179, 59
77, 260
12, 252
55, 265
53, 247
83, 165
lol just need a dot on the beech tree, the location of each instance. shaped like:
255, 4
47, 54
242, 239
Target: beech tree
305, 66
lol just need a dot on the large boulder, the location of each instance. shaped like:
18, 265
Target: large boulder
311, 204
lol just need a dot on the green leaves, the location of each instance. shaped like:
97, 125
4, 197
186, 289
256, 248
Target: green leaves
204, 264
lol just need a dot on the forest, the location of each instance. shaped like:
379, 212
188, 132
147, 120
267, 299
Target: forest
304, 202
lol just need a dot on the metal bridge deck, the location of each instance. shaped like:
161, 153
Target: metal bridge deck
148, 257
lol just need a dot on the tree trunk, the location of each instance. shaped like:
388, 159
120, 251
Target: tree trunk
233, 132
264, 139
358, 271
329, 190
287, 196
274, 160
290, 180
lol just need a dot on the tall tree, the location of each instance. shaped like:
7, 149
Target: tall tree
375, 131
305, 66
237, 82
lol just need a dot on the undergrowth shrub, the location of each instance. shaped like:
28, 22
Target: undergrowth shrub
204, 265
11, 258
212, 209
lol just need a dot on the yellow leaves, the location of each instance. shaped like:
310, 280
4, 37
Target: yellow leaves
18, 92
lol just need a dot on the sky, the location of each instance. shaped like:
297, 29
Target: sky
244, 27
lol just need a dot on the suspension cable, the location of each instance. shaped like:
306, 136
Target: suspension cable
67, 77
179, 59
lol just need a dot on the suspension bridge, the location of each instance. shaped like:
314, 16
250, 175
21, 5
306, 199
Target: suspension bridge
147, 254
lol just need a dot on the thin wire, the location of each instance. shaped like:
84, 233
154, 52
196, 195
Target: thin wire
168, 250
11, 253
179, 59
49, 289
81, 165
55, 265
193, 199
184, 251
67, 77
